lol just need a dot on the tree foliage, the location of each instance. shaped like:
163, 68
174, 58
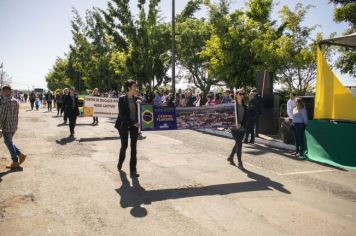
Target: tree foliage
345, 12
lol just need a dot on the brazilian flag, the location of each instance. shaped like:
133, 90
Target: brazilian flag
147, 117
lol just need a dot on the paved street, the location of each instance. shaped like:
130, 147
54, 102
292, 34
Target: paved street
186, 186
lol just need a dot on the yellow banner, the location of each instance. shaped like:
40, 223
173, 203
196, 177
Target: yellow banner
332, 99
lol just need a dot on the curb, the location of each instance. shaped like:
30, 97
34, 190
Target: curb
266, 140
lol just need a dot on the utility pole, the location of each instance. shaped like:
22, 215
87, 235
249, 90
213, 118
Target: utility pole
1, 75
173, 48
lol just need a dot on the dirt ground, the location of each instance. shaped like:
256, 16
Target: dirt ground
186, 186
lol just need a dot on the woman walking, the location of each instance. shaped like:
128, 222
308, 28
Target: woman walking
239, 131
71, 109
300, 121
59, 100
95, 94
127, 123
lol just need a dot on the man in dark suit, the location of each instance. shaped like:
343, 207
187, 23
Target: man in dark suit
127, 123
71, 108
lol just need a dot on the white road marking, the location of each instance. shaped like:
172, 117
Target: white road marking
307, 172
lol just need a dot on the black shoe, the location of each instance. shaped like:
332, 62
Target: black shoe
251, 142
231, 160
119, 166
134, 175
241, 167
245, 141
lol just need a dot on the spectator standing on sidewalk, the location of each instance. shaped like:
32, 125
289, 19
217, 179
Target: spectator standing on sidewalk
291, 105
300, 121
9, 113
71, 107
251, 119
258, 106
95, 94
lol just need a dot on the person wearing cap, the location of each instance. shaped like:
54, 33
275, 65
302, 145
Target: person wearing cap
9, 116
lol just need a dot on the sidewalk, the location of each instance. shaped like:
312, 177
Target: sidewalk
262, 139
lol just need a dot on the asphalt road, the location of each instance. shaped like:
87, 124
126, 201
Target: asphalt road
186, 186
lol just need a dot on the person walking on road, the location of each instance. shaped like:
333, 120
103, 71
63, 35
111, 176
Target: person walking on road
300, 121
95, 94
9, 116
32, 99
127, 123
49, 99
71, 107
59, 100
238, 132
65, 116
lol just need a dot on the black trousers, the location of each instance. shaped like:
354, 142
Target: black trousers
32, 104
59, 108
299, 130
72, 123
250, 129
95, 119
65, 116
257, 126
49, 105
237, 149
124, 136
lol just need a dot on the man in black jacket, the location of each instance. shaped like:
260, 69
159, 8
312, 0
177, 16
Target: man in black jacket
71, 109
127, 122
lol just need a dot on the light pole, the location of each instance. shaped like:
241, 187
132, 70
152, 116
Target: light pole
1, 75
173, 48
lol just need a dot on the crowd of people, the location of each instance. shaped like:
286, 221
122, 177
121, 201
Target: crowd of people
66, 102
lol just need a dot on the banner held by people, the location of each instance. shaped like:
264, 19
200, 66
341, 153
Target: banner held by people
171, 118
101, 107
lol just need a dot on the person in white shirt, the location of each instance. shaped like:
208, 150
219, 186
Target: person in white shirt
291, 105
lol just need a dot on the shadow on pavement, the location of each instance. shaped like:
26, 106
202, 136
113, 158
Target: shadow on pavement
62, 124
64, 141
2, 174
134, 196
257, 150
98, 139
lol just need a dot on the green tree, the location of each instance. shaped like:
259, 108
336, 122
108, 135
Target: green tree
192, 36
145, 40
297, 51
242, 42
57, 76
345, 12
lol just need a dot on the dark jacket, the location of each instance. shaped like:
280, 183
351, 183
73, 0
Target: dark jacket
251, 111
244, 120
70, 108
124, 122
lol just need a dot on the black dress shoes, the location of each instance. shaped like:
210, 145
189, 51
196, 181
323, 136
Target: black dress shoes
134, 175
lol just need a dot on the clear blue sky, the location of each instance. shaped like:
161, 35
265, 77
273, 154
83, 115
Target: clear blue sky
35, 32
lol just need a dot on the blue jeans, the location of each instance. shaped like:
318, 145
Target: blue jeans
14, 151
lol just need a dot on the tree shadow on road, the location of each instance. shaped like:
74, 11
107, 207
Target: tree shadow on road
135, 196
